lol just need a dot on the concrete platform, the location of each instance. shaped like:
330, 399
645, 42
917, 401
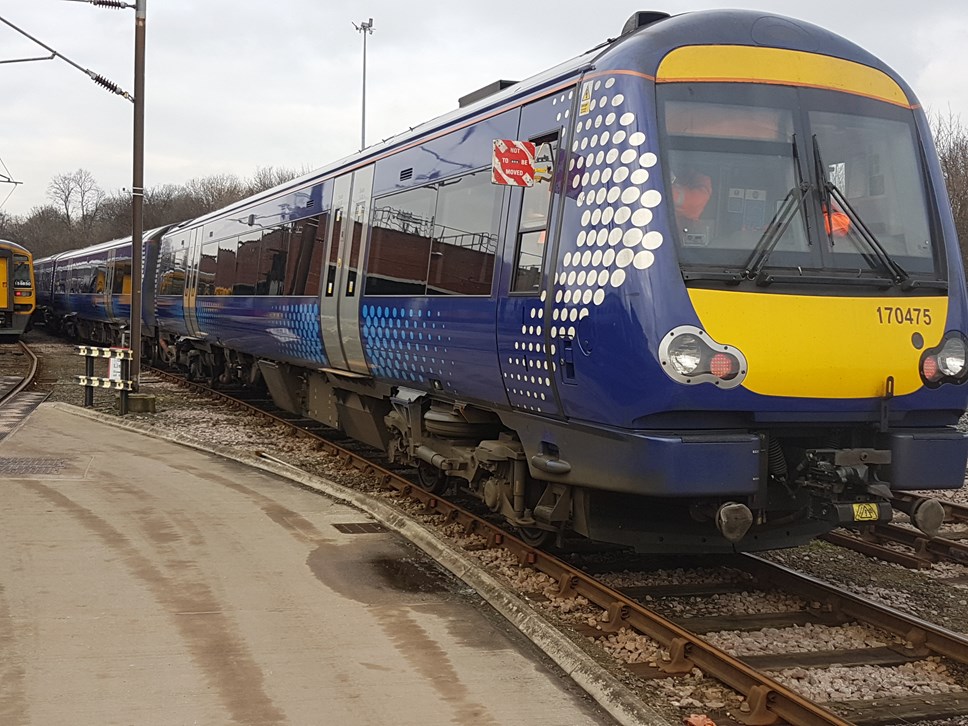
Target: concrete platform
142, 582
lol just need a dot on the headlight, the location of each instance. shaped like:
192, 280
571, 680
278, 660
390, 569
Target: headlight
951, 359
688, 355
685, 354
945, 363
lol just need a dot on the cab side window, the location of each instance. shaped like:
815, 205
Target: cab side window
533, 226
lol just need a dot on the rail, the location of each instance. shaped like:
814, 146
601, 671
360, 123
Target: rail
28, 379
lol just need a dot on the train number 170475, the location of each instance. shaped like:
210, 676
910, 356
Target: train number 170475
903, 316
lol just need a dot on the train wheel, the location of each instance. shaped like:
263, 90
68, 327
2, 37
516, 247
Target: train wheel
534, 537
431, 478
196, 372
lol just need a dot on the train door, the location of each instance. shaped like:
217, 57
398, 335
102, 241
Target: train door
110, 301
192, 253
527, 351
62, 281
340, 297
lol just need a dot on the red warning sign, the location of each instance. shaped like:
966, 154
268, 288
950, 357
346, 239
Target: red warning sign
513, 163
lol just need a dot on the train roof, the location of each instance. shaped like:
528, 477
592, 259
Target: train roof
103, 246
14, 245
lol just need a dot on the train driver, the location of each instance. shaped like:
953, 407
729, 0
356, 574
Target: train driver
691, 192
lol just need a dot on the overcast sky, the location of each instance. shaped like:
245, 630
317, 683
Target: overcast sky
233, 85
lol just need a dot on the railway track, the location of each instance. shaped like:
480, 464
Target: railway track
685, 643
18, 370
907, 546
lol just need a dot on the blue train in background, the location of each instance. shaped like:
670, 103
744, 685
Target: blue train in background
721, 306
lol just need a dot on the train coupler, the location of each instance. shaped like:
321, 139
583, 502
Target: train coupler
853, 514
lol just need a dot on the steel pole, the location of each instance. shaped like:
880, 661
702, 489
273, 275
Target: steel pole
137, 191
363, 132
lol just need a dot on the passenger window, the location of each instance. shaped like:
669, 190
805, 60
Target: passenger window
98, 271
436, 240
465, 236
207, 268
333, 263
171, 267
216, 272
272, 261
400, 243
533, 225
305, 256
121, 284
247, 263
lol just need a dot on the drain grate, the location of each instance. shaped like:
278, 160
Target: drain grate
360, 528
14, 466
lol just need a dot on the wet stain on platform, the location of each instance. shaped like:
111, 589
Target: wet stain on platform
293, 522
426, 656
209, 633
408, 575
376, 572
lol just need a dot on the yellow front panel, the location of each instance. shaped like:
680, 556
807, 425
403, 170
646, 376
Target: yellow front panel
823, 347
5, 291
744, 64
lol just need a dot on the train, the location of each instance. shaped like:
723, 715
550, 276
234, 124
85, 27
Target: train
696, 290
17, 291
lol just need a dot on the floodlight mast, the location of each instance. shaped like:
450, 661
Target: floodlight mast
366, 28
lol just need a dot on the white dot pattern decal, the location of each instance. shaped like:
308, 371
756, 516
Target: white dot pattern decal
618, 193
527, 373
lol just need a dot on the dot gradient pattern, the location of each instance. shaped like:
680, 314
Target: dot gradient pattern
613, 176
527, 372
407, 344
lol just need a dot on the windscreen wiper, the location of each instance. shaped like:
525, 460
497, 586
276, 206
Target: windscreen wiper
774, 231
831, 192
899, 274
778, 224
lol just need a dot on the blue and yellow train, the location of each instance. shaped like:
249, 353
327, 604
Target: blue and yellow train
725, 310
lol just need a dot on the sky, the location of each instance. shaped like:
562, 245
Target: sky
235, 85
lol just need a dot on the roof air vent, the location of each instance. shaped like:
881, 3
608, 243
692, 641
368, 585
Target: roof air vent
480, 93
641, 19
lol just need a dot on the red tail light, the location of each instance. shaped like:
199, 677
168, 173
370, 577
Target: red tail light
723, 365
929, 367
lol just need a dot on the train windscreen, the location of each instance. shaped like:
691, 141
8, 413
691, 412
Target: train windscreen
802, 180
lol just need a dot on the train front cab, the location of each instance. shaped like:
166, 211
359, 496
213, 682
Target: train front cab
824, 298
17, 291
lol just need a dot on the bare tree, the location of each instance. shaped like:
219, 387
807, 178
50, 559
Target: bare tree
43, 232
7, 223
215, 191
81, 213
951, 140
79, 198
267, 177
